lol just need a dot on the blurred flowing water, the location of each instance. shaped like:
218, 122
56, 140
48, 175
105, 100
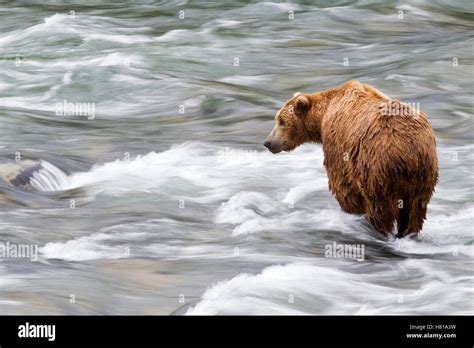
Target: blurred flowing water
178, 207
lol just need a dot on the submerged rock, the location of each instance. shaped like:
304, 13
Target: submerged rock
19, 174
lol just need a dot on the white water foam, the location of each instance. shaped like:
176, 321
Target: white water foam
83, 249
213, 174
284, 181
88, 28
301, 288
57, 22
49, 178
252, 212
208, 178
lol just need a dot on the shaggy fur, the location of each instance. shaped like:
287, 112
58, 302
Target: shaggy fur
380, 154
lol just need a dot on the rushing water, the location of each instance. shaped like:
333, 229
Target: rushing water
164, 200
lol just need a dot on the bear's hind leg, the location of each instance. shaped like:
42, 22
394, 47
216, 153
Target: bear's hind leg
382, 217
402, 221
416, 218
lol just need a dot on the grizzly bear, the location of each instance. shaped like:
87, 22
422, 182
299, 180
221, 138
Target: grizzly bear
379, 153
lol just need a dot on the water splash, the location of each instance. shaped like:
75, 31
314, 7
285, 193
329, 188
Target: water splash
48, 178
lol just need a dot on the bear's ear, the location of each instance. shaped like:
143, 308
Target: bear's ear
302, 104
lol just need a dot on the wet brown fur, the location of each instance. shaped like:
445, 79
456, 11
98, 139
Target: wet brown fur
384, 166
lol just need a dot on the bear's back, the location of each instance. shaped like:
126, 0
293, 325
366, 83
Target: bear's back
367, 134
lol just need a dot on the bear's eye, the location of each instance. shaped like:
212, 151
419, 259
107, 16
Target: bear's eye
281, 122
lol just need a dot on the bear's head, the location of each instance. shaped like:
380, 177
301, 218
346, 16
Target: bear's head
294, 125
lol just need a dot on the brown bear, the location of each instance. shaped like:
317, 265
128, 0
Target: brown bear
379, 153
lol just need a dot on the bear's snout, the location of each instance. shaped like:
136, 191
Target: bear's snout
272, 147
273, 141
